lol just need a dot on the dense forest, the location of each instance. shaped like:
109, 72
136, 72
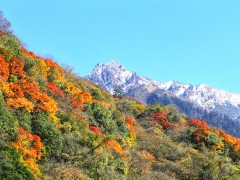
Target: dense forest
56, 125
213, 118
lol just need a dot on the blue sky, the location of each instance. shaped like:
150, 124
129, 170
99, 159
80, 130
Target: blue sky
191, 41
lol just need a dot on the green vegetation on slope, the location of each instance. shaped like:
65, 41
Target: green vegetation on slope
56, 125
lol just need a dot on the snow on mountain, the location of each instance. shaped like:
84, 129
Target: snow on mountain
113, 74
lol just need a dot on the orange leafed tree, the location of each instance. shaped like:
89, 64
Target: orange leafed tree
78, 96
29, 88
78, 100
50, 62
102, 102
76, 103
234, 142
47, 103
114, 145
85, 97
20, 102
17, 90
30, 147
4, 69
16, 67
5, 88
202, 132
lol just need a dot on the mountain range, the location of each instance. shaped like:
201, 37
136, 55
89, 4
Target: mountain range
220, 108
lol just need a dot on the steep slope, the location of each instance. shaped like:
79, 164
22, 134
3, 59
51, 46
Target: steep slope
56, 125
203, 97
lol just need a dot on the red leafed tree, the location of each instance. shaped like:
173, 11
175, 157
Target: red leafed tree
163, 120
95, 130
76, 103
160, 115
54, 89
130, 125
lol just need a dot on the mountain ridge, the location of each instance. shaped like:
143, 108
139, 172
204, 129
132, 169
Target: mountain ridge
210, 99
114, 74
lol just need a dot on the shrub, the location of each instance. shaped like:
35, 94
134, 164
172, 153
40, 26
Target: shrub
11, 167
50, 135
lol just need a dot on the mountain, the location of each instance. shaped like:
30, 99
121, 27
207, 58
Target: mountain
57, 125
202, 99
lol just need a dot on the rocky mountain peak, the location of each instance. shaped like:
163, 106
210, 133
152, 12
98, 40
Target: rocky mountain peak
113, 74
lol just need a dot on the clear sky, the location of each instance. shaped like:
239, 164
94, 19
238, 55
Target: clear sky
191, 41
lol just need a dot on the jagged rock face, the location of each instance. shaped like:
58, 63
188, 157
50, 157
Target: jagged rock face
113, 74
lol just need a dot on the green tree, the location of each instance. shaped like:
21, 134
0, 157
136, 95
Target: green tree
50, 135
102, 118
8, 123
97, 94
11, 167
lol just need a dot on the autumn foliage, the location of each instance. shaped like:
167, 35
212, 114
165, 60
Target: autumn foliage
16, 67
114, 145
55, 72
160, 115
162, 118
203, 135
20, 102
4, 69
130, 124
85, 133
44, 89
95, 130
30, 146
202, 125
54, 89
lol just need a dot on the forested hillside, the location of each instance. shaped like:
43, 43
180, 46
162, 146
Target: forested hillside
56, 125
